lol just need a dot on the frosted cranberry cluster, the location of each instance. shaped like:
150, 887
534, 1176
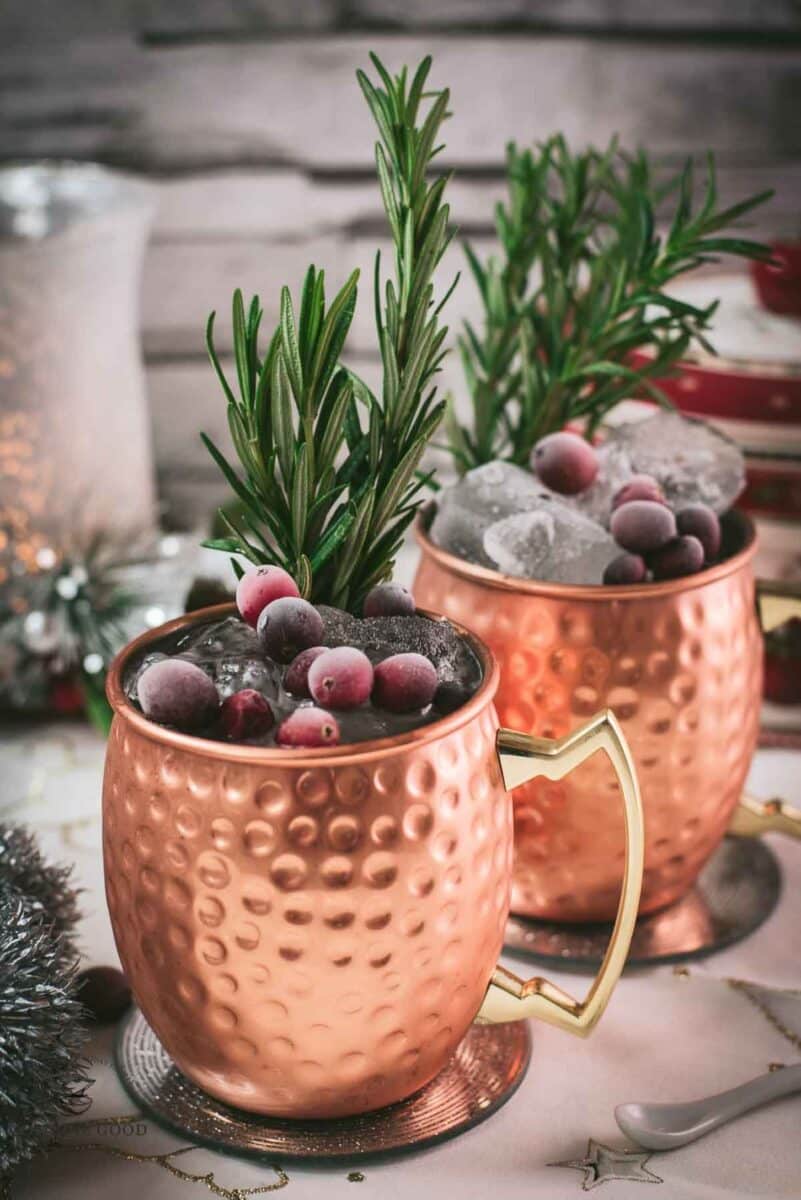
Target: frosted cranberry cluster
657, 543
174, 691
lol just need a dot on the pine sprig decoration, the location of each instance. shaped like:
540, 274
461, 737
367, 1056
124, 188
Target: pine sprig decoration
329, 471
47, 889
581, 285
42, 1076
63, 624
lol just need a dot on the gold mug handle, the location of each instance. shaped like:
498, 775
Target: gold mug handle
777, 602
754, 817
522, 758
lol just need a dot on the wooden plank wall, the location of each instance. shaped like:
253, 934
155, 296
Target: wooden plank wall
246, 117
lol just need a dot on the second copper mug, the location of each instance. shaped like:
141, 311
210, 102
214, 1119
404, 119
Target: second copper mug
311, 932
679, 662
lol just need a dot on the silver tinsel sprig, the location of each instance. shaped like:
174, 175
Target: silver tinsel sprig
48, 889
42, 1074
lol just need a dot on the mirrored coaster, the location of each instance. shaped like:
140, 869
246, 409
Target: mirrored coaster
484, 1072
736, 891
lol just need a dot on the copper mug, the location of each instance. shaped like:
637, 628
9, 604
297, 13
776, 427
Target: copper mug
679, 662
311, 932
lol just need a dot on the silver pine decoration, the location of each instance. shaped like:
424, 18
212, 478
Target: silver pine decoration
42, 1074
48, 889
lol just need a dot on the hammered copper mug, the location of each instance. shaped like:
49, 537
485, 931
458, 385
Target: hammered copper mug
311, 932
679, 662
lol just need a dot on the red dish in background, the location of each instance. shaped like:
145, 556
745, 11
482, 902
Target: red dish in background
751, 390
778, 284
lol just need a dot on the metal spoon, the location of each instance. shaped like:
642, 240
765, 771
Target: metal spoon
666, 1126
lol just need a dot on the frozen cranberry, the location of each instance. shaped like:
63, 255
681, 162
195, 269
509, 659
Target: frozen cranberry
642, 526
404, 682
626, 568
245, 714
296, 676
175, 692
389, 600
287, 626
256, 589
702, 522
104, 993
683, 556
308, 727
639, 487
564, 462
341, 678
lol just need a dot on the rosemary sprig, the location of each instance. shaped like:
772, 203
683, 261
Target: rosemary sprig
410, 334
287, 425
579, 287
330, 478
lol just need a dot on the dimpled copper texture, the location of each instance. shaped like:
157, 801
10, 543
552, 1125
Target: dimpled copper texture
308, 932
679, 662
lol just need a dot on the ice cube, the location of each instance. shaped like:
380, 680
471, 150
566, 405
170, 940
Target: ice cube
205, 643
693, 462
614, 469
552, 542
131, 681
379, 637
233, 672
482, 497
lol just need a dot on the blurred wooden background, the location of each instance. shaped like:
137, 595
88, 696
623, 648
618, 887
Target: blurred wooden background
246, 116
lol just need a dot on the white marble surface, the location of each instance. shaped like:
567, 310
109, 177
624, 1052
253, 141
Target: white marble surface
663, 1037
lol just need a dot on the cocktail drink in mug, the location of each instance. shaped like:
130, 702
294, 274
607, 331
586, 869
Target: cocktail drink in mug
310, 930
597, 554
674, 650
307, 823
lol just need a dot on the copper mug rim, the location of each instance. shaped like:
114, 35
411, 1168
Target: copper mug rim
276, 755
487, 577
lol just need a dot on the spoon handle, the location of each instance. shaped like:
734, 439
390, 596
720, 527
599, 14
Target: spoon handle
752, 1094
666, 1126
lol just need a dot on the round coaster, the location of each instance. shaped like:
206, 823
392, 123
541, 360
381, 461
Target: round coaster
736, 891
485, 1071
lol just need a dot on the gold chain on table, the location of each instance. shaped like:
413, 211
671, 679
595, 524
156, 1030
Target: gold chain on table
164, 1161
741, 985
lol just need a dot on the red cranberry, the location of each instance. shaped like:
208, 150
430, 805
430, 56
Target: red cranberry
256, 589
104, 993
404, 682
175, 692
639, 487
626, 568
296, 676
341, 678
389, 600
308, 727
702, 522
245, 714
642, 526
287, 626
565, 463
683, 556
